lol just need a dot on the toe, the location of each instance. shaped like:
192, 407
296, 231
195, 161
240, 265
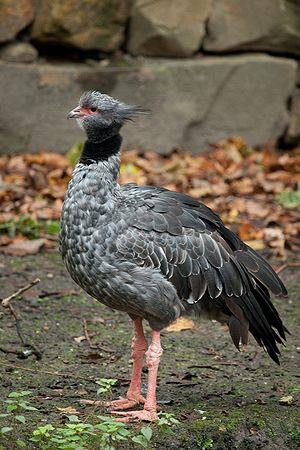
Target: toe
135, 416
92, 402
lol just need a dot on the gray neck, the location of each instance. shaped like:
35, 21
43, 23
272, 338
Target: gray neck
95, 186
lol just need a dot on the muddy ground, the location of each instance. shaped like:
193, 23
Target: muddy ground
223, 399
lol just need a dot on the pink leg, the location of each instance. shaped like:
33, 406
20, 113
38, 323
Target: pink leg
138, 347
149, 412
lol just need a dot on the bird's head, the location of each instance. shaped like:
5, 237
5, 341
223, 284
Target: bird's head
101, 116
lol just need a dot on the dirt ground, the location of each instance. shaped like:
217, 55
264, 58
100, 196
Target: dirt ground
222, 398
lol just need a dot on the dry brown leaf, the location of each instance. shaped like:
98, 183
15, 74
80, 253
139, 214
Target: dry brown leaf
287, 400
183, 323
256, 244
68, 410
256, 209
229, 179
248, 232
79, 339
274, 237
24, 247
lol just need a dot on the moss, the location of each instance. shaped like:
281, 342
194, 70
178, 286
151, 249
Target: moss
294, 435
240, 400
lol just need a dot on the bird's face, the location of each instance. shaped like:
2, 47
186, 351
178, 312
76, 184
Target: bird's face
100, 111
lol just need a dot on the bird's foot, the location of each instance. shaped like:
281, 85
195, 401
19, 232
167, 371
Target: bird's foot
92, 402
125, 402
136, 416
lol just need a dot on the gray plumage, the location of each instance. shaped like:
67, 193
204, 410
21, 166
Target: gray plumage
154, 253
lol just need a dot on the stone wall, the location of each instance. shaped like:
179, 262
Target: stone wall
208, 69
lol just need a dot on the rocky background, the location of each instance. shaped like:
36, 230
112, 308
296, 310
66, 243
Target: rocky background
208, 69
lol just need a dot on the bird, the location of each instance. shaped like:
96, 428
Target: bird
156, 255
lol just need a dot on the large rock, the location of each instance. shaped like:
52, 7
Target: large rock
293, 132
14, 16
163, 29
86, 24
272, 25
193, 104
19, 52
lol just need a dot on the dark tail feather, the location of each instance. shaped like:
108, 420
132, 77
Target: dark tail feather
260, 270
264, 321
238, 324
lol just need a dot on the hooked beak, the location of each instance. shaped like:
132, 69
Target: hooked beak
75, 113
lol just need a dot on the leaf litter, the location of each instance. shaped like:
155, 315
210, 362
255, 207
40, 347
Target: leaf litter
255, 191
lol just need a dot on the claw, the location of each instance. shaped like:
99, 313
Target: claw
125, 403
92, 402
136, 416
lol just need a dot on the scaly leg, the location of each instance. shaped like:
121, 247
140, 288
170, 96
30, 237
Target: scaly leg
138, 347
149, 413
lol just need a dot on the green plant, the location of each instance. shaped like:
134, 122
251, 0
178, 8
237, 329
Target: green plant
209, 443
42, 435
29, 227
16, 402
166, 420
289, 199
71, 436
294, 434
105, 385
112, 433
24, 225
144, 438
75, 435
74, 153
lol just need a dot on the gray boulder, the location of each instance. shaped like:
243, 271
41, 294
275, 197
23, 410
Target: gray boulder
193, 104
165, 28
293, 132
272, 25
93, 24
14, 16
19, 52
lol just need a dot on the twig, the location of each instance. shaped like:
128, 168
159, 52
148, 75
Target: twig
86, 332
6, 301
203, 366
48, 372
22, 354
286, 266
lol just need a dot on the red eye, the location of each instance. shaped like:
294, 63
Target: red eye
88, 111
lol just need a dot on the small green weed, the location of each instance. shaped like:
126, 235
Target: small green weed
29, 227
144, 438
294, 434
15, 405
16, 402
166, 421
105, 385
208, 443
74, 153
75, 435
289, 199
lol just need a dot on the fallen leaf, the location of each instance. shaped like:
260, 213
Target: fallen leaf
97, 319
23, 247
248, 232
256, 244
183, 323
68, 410
286, 400
79, 339
244, 185
274, 237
